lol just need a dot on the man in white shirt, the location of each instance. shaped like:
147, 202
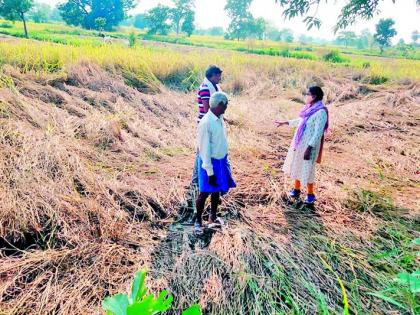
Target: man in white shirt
209, 86
214, 176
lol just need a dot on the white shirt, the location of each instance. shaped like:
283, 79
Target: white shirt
212, 142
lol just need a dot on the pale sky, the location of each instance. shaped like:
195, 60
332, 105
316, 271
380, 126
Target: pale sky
211, 13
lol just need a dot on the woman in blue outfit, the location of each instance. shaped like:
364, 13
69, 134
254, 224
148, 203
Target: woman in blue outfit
214, 176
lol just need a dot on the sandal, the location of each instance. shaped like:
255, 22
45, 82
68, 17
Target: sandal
198, 229
217, 223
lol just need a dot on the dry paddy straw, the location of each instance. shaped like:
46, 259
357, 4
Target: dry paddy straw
96, 153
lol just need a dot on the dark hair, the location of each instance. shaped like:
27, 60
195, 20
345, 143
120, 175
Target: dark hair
213, 70
317, 93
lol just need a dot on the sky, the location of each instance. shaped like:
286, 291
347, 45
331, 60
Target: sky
211, 13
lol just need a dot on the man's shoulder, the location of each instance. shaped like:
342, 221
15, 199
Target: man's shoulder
205, 121
204, 86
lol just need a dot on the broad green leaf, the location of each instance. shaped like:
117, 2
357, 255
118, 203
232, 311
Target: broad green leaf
163, 302
138, 288
416, 241
116, 304
411, 280
192, 310
139, 309
144, 307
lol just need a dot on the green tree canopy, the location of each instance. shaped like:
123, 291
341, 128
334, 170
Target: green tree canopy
56, 15
216, 31
350, 12
347, 38
40, 12
140, 21
14, 10
188, 26
86, 12
158, 20
384, 32
183, 10
238, 11
287, 35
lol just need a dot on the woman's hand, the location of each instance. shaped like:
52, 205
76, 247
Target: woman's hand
281, 123
307, 155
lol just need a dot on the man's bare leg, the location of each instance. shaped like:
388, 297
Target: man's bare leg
215, 201
200, 204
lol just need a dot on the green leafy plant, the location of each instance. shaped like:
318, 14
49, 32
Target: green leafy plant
335, 57
140, 302
132, 39
403, 292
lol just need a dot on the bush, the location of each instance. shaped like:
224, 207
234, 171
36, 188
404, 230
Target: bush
6, 25
334, 56
376, 79
132, 39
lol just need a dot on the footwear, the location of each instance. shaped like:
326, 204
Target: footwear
198, 229
310, 199
294, 193
217, 223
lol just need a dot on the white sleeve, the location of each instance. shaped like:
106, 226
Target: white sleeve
204, 147
294, 122
320, 121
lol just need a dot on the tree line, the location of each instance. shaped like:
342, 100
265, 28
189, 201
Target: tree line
180, 18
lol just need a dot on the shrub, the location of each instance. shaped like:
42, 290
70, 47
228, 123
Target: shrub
376, 79
334, 56
6, 25
132, 39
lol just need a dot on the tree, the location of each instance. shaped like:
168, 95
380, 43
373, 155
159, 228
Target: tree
140, 21
55, 15
272, 32
86, 12
183, 10
404, 48
384, 33
304, 39
258, 28
40, 12
16, 10
216, 31
350, 12
188, 24
347, 38
415, 36
158, 20
364, 40
287, 35
100, 24
238, 11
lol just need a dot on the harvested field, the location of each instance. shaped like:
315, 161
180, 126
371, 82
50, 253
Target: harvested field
96, 155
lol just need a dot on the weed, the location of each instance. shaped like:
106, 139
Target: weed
334, 57
140, 302
132, 39
376, 79
374, 203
